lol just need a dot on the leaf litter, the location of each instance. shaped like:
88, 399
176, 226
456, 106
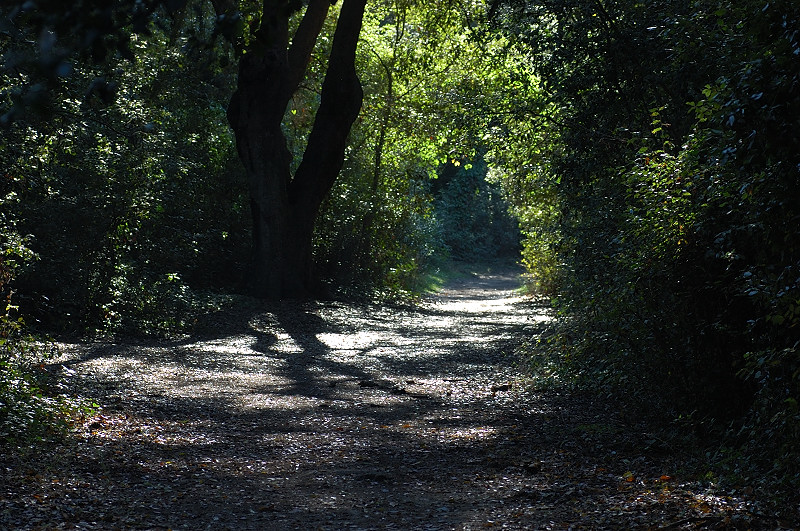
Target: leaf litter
329, 415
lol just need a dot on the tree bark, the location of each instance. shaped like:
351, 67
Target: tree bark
284, 209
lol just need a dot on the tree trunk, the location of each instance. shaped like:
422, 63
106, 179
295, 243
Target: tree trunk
284, 208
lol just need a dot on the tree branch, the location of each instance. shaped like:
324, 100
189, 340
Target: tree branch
304, 39
339, 108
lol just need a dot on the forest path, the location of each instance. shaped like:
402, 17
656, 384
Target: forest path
340, 416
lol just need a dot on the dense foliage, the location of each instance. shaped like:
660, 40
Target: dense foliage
473, 213
128, 201
672, 172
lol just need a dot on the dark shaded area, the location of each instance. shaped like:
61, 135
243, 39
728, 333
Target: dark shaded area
473, 216
88, 31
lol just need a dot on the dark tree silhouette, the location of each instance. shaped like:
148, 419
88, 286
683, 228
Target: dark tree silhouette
285, 206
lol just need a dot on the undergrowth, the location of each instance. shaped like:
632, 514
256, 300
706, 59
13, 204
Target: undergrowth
35, 402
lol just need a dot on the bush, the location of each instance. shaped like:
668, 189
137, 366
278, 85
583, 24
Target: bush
31, 403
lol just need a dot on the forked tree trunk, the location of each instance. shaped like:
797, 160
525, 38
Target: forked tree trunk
285, 207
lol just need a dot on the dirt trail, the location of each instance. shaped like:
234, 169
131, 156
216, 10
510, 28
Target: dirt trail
339, 416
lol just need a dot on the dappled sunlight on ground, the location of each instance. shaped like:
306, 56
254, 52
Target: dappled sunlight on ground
337, 416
